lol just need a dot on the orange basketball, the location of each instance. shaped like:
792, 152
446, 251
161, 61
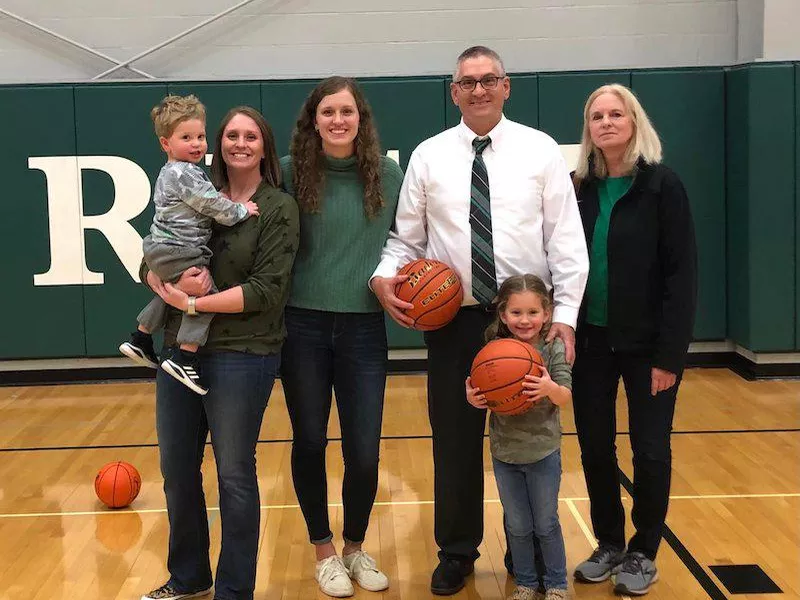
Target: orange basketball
435, 291
499, 370
117, 484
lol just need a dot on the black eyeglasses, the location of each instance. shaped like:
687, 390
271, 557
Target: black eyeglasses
488, 82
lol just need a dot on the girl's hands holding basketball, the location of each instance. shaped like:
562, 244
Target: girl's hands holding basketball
474, 395
538, 388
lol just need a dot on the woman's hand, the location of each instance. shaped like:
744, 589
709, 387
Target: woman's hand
661, 380
154, 282
194, 281
474, 395
538, 388
173, 296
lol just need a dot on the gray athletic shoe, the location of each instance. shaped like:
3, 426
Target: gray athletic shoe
635, 575
598, 566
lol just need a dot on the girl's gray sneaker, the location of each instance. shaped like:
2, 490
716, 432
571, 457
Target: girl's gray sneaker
635, 575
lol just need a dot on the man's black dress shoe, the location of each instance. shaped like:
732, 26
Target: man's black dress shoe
448, 577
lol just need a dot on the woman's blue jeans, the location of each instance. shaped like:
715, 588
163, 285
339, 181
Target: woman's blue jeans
345, 353
239, 388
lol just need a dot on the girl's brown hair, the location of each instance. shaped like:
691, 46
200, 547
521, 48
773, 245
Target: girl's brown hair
515, 285
308, 158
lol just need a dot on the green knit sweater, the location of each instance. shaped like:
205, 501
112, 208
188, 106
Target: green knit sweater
339, 246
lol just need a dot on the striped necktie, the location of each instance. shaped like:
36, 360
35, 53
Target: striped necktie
484, 280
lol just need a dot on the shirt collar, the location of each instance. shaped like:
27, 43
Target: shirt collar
466, 134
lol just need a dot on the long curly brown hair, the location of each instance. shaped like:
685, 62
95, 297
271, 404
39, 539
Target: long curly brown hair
308, 157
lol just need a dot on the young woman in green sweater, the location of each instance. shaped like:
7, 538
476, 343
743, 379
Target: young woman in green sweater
336, 337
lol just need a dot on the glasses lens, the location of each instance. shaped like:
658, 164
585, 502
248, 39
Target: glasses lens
489, 82
467, 84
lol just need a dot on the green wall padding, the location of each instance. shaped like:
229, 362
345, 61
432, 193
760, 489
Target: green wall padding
111, 308
761, 207
690, 121
797, 203
218, 99
280, 105
562, 97
731, 134
737, 185
41, 321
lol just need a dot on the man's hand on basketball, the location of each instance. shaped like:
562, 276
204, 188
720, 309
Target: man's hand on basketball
474, 395
538, 388
567, 335
383, 288
661, 380
194, 281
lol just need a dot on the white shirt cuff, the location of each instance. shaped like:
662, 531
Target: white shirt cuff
565, 314
385, 269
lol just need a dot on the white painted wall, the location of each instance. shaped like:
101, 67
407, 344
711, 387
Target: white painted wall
750, 18
307, 38
781, 30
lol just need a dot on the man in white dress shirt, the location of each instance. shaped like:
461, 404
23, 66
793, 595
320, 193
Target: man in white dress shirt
527, 208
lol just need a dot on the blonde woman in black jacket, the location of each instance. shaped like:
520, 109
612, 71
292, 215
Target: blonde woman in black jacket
635, 323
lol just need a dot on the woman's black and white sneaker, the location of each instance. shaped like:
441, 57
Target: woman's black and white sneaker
140, 349
185, 367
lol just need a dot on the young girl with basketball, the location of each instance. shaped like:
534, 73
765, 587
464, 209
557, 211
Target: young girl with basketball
526, 448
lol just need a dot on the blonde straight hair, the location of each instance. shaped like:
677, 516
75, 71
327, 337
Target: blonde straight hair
644, 142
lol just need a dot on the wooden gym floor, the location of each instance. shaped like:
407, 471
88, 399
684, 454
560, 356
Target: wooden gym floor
735, 496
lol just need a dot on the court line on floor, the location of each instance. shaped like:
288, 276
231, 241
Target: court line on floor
566, 500
585, 529
383, 438
694, 567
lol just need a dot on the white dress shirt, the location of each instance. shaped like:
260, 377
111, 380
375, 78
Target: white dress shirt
536, 226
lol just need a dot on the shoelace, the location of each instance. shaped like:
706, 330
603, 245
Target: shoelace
165, 591
600, 554
633, 563
332, 568
366, 561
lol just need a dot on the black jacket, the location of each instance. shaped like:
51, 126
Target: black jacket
652, 265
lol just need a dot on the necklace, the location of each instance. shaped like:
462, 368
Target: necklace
242, 196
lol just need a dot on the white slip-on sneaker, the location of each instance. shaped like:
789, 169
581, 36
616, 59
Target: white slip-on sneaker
364, 570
